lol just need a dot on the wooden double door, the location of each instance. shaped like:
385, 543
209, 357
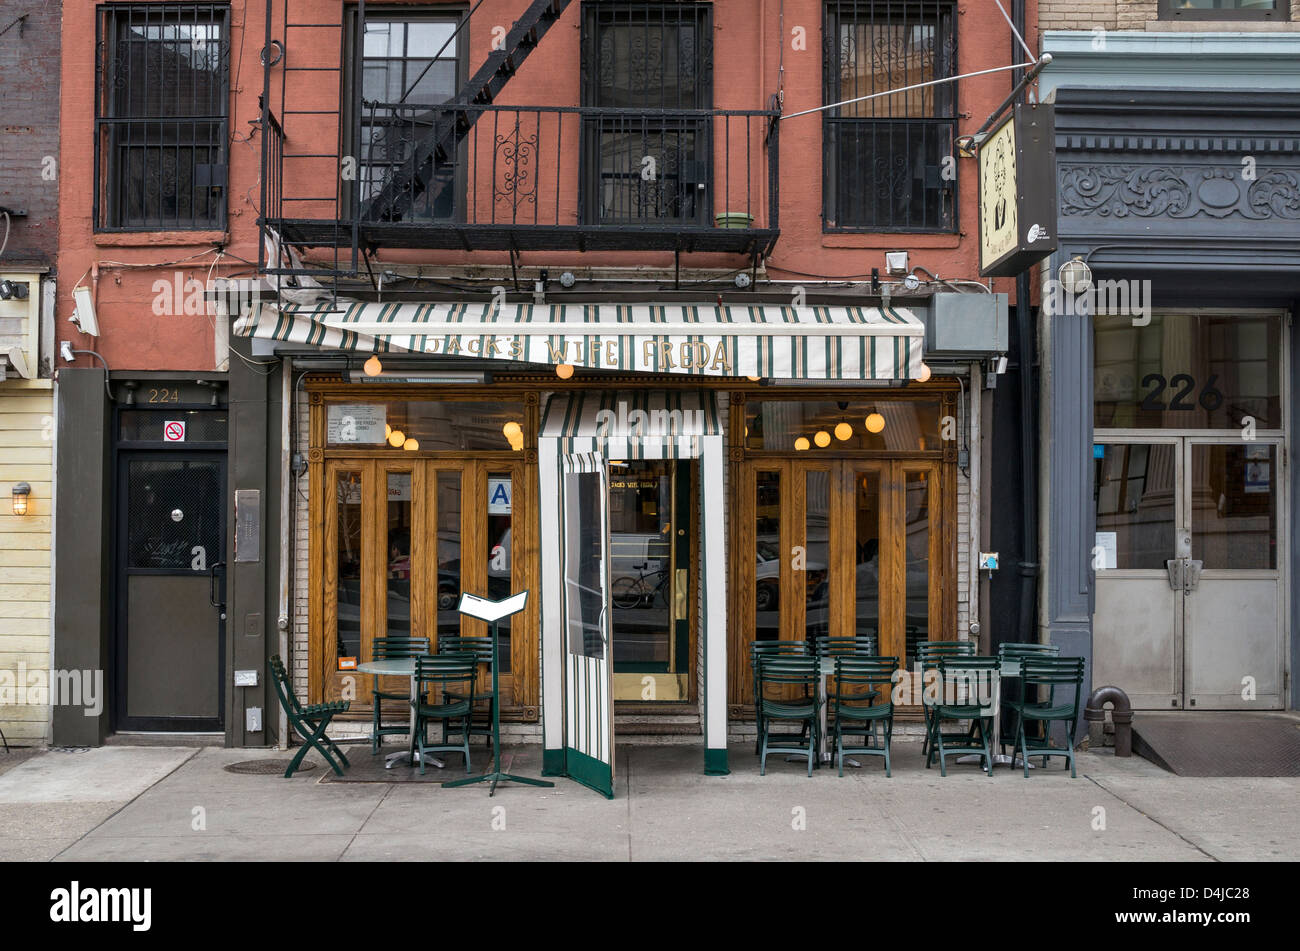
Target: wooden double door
842, 547
397, 541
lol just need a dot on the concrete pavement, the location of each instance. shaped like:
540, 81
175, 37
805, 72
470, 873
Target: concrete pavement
167, 803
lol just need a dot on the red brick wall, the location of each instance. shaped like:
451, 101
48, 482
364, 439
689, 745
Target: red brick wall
748, 39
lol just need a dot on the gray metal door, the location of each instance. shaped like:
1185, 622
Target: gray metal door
170, 588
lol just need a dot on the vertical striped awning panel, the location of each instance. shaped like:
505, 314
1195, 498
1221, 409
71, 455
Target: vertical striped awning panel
632, 424
772, 342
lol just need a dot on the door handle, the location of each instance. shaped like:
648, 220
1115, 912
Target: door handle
212, 592
1175, 568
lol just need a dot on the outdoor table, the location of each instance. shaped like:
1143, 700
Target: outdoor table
400, 667
1009, 667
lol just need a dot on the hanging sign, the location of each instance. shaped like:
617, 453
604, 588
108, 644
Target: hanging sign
1017, 191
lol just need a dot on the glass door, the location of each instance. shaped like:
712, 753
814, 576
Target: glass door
840, 547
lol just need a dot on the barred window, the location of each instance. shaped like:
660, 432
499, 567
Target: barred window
651, 166
162, 100
884, 165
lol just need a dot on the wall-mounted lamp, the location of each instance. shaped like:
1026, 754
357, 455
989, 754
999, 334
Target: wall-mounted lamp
1075, 276
21, 492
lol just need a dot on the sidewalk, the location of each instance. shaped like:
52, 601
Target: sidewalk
168, 803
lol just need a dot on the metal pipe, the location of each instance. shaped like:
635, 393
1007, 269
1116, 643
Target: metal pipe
1028, 78
1121, 715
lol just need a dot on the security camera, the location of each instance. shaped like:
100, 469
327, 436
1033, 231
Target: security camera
84, 315
65, 351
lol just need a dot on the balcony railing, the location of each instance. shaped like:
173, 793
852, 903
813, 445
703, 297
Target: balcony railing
532, 178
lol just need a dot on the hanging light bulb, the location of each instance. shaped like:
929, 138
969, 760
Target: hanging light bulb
923, 374
412, 444
843, 432
875, 423
822, 439
753, 378
511, 429
388, 430
372, 366
801, 444
564, 370
396, 438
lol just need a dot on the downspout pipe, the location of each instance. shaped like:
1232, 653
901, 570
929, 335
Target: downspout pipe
1121, 715
286, 529
1028, 567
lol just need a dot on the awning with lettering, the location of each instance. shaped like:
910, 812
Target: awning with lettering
774, 342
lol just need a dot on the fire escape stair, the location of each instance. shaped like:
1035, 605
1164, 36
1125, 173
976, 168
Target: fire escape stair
452, 126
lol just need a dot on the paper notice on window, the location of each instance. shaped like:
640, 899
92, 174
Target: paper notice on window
1104, 552
357, 423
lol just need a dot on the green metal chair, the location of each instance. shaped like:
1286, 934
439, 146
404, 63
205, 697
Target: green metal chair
1018, 652
1051, 673
391, 648
451, 676
859, 681
929, 653
309, 722
760, 649
966, 685
829, 647
481, 649
779, 672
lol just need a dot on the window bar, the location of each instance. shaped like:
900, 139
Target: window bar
496, 139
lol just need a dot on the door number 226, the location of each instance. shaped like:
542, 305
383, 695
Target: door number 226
1182, 385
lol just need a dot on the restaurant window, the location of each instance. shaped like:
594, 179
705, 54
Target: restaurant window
1224, 9
410, 62
1188, 371
427, 425
651, 166
161, 115
815, 427
887, 161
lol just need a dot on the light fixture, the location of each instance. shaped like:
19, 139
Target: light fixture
568, 279
911, 282
372, 366
388, 430
511, 429
1075, 276
875, 423
20, 493
843, 432
923, 374
396, 438
753, 378
84, 313
564, 370
743, 280
822, 439
801, 444
412, 444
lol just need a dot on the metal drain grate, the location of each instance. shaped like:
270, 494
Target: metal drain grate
266, 767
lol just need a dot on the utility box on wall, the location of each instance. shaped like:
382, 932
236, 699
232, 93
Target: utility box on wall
966, 326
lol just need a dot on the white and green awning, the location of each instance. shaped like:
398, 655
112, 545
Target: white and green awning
795, 343
632, 424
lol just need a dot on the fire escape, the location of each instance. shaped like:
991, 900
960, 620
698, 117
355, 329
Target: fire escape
475, 173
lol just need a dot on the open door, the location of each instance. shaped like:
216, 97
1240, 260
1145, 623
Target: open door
588, 647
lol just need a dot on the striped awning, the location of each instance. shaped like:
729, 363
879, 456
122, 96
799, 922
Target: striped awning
659, 424
794, 343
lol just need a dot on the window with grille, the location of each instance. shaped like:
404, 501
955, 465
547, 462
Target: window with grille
647, 75
161, 116
410, 61
886, 159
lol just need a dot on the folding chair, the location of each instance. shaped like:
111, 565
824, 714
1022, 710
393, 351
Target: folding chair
780, 672
966, 693
929, 654
309, 722
452, 677
1017, 652
758, 650
858, 683
481, 649
391, 648
1049, 672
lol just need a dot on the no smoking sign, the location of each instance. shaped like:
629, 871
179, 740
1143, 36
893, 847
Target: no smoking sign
174, 431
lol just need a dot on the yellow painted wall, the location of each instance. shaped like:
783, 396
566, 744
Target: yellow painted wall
26, 455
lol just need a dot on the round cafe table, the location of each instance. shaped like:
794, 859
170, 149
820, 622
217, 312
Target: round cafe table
400, 667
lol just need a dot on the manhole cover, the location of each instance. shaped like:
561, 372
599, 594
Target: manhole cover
266, 767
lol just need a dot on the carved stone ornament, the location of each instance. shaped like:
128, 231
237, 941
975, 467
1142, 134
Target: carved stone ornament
1167, 191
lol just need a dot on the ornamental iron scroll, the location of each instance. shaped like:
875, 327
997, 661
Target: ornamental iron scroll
1168, 191
515, 157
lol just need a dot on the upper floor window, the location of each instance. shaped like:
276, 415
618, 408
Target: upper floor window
410, 61
1224, 9
162, 100
887, 160
647, 76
